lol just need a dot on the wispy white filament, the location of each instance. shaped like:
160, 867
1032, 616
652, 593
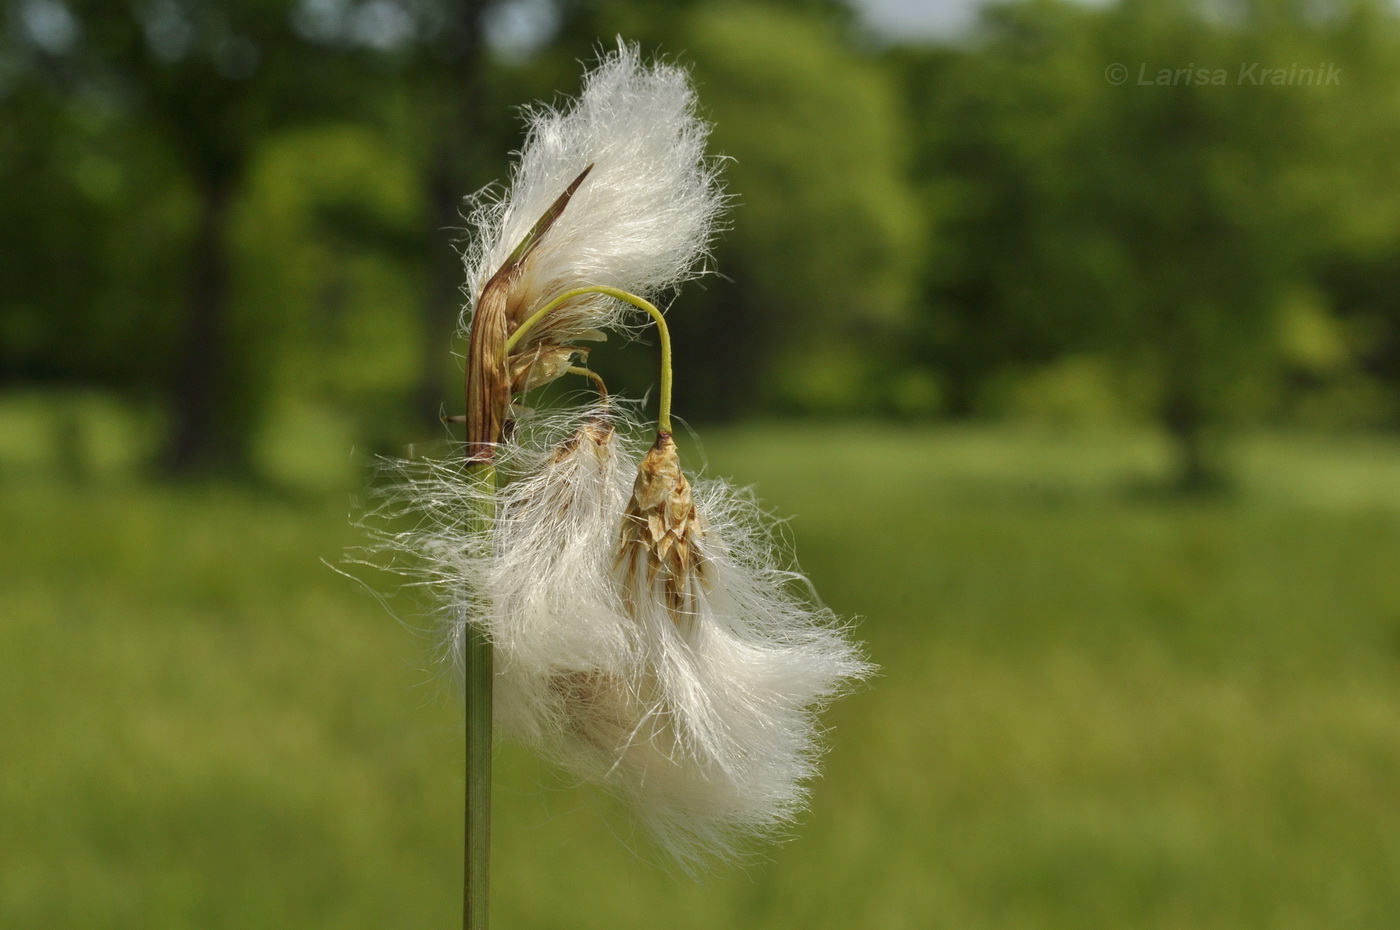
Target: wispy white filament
706, 724
737, 681
640, 221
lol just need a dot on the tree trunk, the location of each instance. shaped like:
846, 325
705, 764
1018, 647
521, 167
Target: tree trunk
454, 173
1183, 416
443, 302
199, 440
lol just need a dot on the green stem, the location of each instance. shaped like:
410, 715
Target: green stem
663, 416
477, 666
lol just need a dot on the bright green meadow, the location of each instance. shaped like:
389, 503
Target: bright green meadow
1099, 707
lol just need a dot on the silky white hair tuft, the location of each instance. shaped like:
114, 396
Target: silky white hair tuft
737, 682
642, 219
706, 723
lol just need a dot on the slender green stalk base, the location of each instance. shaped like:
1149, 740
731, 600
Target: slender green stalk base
478, 651
477, 659
477, 868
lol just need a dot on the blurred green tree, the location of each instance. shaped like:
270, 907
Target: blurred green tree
819, 267
216, 205
1356, 264
78, 305
985, 118
1118, 182
183, 93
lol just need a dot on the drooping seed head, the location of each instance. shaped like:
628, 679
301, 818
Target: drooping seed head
662, 538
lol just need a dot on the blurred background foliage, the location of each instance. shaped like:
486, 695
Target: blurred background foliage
223, 212
986, 305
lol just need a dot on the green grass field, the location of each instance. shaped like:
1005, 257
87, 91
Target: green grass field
1099, 708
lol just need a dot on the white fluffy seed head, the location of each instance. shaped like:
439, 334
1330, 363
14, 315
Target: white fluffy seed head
549, 594
705, 720
739, 678
702, 717
642, 219
551, 510
646, 634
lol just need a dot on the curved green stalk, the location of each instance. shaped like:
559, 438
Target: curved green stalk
593, 376
663, 416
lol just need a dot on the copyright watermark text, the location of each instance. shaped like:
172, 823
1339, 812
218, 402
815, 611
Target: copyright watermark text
1244, 74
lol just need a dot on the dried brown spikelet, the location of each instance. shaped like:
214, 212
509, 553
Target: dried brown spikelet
662, 535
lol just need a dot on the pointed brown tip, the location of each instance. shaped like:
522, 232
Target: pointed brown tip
542, 225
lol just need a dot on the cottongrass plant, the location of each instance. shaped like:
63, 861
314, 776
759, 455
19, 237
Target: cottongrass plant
635, 628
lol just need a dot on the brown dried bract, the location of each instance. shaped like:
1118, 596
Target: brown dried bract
540, 365
491, 378
487, 379
598, 431
662, 535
